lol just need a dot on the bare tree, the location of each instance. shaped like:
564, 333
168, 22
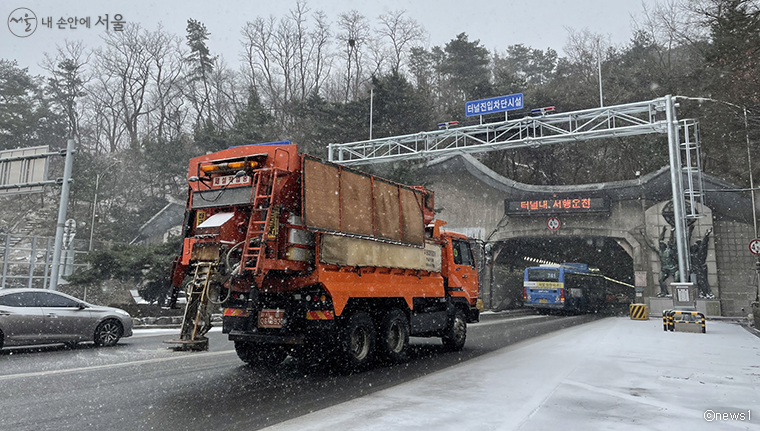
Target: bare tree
321, 60
106, 114
226, 96
285, 61
668, 26
126, 60
259, 70
311, 49
354, 35
403, 32
167, 72
586, 51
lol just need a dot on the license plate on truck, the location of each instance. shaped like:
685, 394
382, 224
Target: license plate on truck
542, 300
271, 318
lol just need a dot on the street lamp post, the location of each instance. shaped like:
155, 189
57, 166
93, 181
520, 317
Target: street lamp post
94, 206
95, 199
749, 163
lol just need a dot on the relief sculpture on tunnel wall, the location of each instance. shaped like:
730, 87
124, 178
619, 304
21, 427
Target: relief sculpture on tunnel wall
668, 259
698, 256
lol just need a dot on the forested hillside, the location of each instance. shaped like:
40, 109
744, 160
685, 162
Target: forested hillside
146, 101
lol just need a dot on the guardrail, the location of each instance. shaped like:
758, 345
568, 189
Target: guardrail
687, 321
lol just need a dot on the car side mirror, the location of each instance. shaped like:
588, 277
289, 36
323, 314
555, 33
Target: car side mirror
82, 306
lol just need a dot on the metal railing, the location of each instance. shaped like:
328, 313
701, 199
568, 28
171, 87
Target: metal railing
27, 261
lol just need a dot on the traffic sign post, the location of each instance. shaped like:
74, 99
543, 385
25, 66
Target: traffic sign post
754, 246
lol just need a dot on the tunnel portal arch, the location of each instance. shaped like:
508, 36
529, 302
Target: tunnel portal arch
472, 197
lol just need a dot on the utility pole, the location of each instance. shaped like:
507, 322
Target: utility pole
599, 68
68, 165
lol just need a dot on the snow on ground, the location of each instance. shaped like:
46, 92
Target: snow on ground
611, 374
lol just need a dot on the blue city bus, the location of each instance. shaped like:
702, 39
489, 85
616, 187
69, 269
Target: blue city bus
573, 287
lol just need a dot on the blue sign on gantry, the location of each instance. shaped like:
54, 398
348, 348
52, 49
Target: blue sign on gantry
494, 104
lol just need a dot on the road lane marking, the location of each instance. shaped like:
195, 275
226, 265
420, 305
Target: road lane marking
498, 321
110, 366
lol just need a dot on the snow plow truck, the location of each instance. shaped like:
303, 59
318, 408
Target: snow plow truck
308, 258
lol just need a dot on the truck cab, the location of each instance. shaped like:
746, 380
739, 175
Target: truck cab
461, 273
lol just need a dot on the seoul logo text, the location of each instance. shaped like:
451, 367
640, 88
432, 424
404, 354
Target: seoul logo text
22, 22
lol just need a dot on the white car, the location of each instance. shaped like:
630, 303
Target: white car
39, 316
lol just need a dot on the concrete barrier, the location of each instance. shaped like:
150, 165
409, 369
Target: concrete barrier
639, 311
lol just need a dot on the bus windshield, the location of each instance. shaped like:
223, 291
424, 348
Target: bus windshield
543, 274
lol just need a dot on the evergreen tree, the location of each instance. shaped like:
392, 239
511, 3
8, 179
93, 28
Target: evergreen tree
67, 85
208, 138
26, 118
398, 108
253, 124
201, 67
466, 68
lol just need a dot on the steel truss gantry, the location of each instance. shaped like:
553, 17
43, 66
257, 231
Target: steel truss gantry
606, 122
639, 118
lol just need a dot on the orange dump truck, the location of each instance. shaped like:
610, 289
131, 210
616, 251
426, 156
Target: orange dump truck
317, 260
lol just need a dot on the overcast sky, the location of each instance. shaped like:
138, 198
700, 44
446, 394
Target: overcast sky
497, 24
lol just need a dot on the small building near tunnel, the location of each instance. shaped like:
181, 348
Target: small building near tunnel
615, 226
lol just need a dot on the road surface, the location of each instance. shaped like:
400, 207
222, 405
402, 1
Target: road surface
141, 384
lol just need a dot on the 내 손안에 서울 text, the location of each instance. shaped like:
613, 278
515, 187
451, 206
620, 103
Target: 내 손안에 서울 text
23, 22
740, 416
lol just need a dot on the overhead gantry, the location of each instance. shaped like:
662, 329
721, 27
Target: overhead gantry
632, 119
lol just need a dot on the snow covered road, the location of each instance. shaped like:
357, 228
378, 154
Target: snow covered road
611, 374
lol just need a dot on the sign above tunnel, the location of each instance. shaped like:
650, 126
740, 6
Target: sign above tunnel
494, 104
557, 205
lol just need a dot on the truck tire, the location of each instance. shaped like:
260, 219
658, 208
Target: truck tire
357, 342
255, 355
456, 334
393, 336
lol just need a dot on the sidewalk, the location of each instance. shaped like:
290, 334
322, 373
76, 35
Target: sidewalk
611, 374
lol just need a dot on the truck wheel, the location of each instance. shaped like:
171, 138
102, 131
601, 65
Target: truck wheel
357, 342
393, 336
252, 354
456, 334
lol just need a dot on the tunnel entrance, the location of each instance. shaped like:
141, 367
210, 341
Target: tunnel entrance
512, 256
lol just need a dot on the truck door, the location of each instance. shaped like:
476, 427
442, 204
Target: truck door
464, 273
